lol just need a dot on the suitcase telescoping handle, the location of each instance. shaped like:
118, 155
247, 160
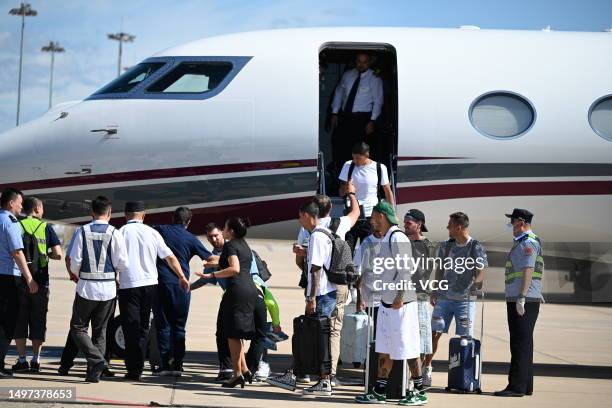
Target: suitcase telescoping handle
370, 310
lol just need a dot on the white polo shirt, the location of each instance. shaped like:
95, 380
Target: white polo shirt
144, 246
319, 254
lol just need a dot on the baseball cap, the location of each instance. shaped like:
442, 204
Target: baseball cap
384, 207
417, 215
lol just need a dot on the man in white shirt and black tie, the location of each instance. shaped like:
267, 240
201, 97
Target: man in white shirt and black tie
356, 106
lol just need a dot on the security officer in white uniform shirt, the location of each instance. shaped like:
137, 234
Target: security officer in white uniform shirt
356, 106
138, 287
98, 254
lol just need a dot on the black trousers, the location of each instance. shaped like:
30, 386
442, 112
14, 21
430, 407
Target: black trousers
223, 353
256, 349
171, 311
520, 377
71, 350
350, 130
359, 232
9, 309
135, 305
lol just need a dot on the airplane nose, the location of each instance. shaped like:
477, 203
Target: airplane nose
18, 155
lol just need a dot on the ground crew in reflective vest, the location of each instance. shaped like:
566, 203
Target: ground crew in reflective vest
523, 278
97, 256
32, 317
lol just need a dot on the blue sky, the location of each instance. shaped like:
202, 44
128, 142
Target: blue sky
90, 59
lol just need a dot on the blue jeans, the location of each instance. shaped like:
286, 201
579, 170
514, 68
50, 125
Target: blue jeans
326, 304
464, 312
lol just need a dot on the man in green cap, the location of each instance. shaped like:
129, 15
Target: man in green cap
397, 328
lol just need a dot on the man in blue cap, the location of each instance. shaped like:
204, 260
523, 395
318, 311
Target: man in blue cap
523, 278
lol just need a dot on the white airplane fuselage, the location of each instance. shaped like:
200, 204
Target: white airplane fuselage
252, 148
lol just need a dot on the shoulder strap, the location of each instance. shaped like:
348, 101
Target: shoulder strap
378, 173
350, 171
391, 236
449, 245
330, 236
335, 223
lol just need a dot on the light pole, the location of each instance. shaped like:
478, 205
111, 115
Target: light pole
24, 10
121, 37
53, 47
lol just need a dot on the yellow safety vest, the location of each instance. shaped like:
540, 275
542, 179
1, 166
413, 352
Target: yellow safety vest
36, 227
512, 273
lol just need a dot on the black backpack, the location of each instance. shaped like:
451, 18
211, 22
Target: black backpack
30, 249
342, 270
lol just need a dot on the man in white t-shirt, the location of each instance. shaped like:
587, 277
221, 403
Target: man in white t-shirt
320, 292
397, 326
339, 226
368, 177
138, 286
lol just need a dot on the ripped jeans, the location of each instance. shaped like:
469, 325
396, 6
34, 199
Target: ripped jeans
464, 312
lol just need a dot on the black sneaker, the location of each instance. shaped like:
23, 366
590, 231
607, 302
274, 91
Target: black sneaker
107, 373
94, 374
64, 369
35, 366
321, 388
21, 366
133, 376
285, 381
4, 373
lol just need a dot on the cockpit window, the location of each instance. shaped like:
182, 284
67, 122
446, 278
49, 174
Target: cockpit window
131, 78
192, 78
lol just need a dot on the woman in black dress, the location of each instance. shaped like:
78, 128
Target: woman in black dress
235, 319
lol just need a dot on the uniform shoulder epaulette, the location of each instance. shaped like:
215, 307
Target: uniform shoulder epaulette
13, 218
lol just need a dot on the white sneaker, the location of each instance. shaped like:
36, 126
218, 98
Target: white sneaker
427, 376
263, 371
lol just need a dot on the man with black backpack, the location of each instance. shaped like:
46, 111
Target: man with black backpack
371, 182
329, 264
463, 261
40, 243
338, 226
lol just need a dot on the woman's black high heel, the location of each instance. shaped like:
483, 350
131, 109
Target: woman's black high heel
234, 382
248, 376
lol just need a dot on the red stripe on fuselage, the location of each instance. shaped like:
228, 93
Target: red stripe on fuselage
158, 174
536, 188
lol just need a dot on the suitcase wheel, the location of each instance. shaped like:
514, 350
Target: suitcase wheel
356, 364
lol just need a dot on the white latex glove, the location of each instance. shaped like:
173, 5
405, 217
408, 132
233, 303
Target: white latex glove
520, 306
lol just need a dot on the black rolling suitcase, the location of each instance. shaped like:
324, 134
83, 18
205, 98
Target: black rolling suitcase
396, 382
311, 346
